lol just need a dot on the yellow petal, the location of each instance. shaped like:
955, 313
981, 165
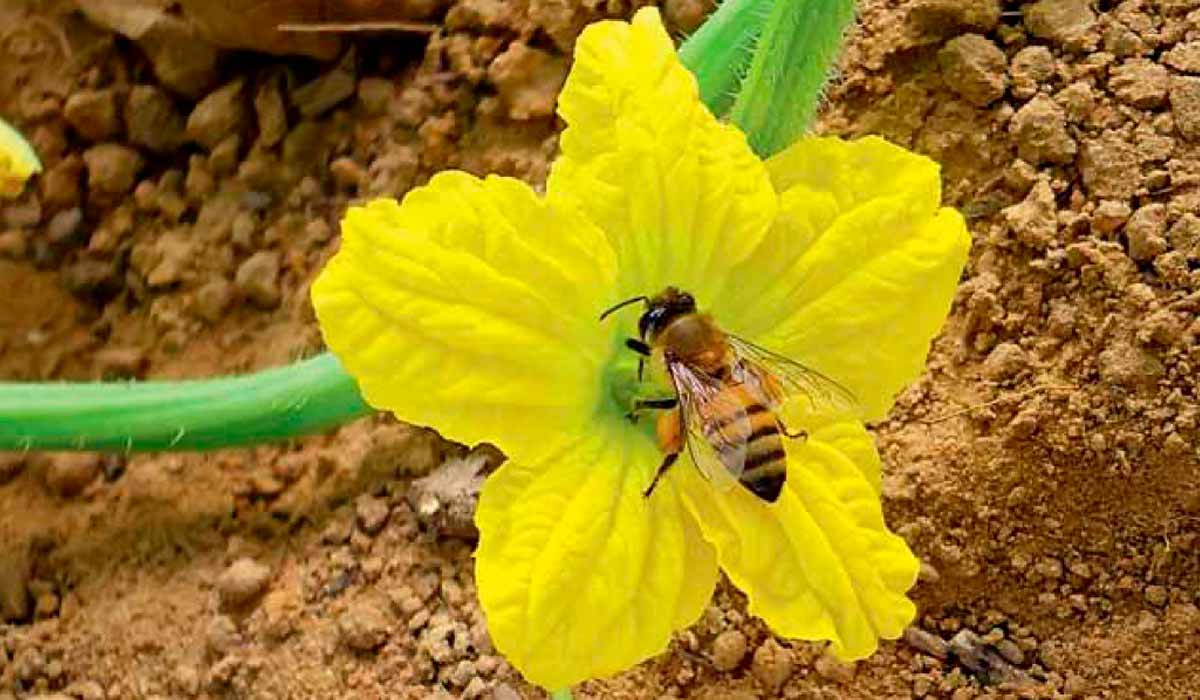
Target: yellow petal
18, 162
819, 563
472, 307
579, 575
680, 195
857, 274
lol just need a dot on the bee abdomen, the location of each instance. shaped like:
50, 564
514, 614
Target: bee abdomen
765, 469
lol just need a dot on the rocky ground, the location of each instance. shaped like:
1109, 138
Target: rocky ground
1046, 468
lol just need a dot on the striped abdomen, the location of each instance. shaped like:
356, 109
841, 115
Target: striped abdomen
746, 436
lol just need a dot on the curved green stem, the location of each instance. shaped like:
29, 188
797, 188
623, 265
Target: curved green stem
300, 398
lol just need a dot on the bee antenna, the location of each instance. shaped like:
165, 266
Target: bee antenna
623, 304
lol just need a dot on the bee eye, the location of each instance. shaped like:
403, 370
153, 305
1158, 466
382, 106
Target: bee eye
650, 320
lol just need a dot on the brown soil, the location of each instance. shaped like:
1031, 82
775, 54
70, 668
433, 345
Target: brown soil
1058, 519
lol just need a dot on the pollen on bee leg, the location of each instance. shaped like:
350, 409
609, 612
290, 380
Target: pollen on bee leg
670, 439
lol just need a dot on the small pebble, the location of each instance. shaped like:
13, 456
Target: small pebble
728, 649
243, 581
925, 642
1156, 596
772, 664
1011, 652
476, 688
213, 299
221, 635
112, 168
93, 114
1006, 361
372, 513
337, 530
218, 115
69, 473
462, 673
831, 669
258, 279
364, 626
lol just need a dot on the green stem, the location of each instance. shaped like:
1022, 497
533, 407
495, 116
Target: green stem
720, 51
782, 90
289, 401
564, 694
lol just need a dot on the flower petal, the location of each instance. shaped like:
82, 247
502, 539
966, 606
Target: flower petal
472, 306
579, 575
18, 162
857, 274
680, 195
819, 563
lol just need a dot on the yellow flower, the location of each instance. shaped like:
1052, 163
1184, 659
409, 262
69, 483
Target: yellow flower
472, 306
18, 162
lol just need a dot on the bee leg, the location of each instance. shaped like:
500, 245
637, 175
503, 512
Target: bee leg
637, 346
668, 460
643, 404
642, 349
799, 434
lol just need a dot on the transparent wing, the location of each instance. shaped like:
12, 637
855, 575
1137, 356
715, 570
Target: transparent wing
714, 427
778, 381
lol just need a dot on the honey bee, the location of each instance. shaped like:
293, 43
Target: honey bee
728, 395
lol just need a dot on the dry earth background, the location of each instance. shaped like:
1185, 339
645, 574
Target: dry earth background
192, 193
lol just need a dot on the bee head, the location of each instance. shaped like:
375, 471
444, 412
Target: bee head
663, 308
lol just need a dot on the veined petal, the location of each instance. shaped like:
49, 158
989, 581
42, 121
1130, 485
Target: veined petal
857, 273
579, 575
472, 307
680, 195
819, 563
18, 162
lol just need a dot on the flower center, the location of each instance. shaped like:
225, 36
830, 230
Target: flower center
622, 389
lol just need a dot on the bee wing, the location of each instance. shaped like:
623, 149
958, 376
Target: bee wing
777, 381
715, 428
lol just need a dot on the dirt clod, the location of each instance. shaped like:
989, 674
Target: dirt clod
243, 581
68, 474
364, 626
372, 513
975, 68
772, 665
1065, 22
1185, 105
833, 670
258, 279
152, 119
1040, 129
1109, 167
93, 114
1031, 68
528, 80
1140, 82
728, 650
112, 168
220, 114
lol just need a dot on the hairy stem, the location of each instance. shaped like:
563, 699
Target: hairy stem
720, 51
289, 401
781, 92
